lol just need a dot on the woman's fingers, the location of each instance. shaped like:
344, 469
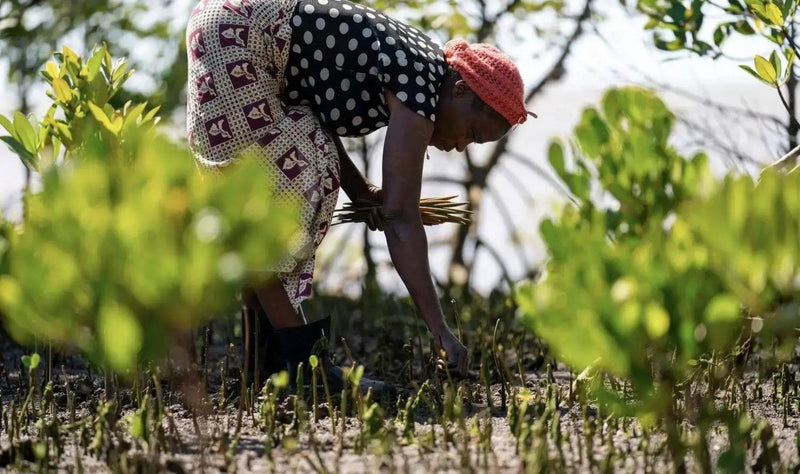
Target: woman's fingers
374, 220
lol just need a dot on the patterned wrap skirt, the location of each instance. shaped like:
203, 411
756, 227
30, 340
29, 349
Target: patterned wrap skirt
237, 52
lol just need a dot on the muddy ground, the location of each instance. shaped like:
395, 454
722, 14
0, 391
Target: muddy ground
483, 442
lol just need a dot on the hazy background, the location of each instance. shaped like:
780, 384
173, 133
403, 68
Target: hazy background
719, 105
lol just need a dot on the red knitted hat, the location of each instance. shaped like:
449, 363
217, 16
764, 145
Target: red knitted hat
492, 75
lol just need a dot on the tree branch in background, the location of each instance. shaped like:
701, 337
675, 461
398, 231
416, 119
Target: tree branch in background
497, 258
477, 178
539, 171
508, 221
786, 106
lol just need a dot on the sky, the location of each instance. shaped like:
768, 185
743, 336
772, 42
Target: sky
617, 53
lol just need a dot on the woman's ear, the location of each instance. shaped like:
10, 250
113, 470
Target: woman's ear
462, 90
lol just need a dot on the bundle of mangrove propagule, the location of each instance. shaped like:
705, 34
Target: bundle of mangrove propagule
434, 211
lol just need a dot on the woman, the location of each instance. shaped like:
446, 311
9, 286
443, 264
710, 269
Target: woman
283, 80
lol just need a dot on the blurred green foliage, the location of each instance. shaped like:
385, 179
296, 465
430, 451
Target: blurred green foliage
703, 27
126, 242
648, 291
618, 286
80, 113
453, 19
32, 29
625, 150
751, 231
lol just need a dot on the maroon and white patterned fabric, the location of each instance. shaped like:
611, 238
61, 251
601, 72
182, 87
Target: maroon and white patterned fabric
238, 50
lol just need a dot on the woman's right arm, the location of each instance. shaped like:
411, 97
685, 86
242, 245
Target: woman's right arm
407, 138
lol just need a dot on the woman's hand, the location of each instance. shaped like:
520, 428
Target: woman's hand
451, 353
372, 196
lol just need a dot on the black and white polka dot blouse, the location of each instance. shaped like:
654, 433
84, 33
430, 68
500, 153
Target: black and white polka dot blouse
344, 55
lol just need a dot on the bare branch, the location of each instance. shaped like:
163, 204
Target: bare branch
444, 180
497, 258
539, 171
508, 221
557, 69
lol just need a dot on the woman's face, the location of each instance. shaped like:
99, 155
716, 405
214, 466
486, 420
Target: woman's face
460, 122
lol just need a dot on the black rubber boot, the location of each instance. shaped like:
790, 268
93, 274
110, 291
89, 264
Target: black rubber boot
298, 343
263, 354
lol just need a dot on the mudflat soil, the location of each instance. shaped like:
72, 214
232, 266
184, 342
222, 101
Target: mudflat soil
573, 439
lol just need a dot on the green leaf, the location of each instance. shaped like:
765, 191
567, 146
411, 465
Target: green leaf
773, 14
62, 90
24, 155
775, 60
721, 33
757, 6
150, 115
752, 72
555, 156
101, 117
31, 362
119, 74
120, 335
280, 380
656, 321
790, 57
69, 55
6, 123
25, 133
137, 428
786, 9
743, 27
94, 64
735, 7
56, 147
765, 70
723, 308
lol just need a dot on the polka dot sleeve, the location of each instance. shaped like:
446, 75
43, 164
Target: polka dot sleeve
345, 55
411, 68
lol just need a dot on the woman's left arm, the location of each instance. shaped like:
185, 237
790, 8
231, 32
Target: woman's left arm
356, 186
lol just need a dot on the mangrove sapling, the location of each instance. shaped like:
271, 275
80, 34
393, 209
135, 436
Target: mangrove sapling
589, 430
786, 375
328, 399
424, 369
343, 416
223, 370
373, 429
206, 335
31, 363
243, 370
699, 444
499, 362
160, 411
175, 435
769, 459
484, 372
319, 466
537, 459
408, 365
558, 439
300, 416
408, 414
313, 361
608, 462
230, 451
